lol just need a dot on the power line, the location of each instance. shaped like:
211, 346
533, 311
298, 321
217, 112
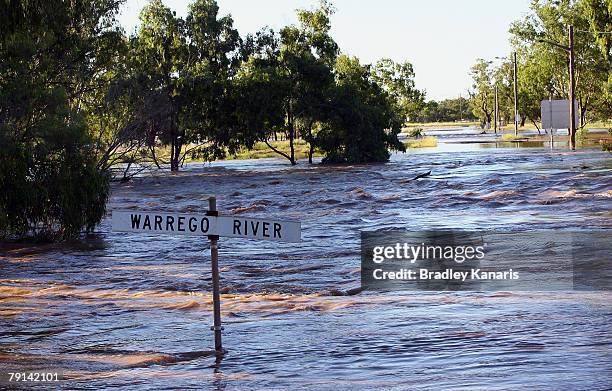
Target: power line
594, 32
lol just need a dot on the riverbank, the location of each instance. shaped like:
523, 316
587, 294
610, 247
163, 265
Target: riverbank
432, 139
505, 128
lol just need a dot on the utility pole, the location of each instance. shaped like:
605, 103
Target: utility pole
572, 89
496, 110
572, 82
515, 96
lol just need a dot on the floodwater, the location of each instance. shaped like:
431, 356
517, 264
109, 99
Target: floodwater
133, 311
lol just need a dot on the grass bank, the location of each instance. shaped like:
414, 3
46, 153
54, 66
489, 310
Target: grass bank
512, 137
508, 127
425, 142
261, 150
436, 125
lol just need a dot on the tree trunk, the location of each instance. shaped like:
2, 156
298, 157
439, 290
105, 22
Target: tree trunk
291, 134
583, 112
291, 146
537, 127
175, 155
310, 153
310, 141
177, 145
488, 120
155, 160
173, 167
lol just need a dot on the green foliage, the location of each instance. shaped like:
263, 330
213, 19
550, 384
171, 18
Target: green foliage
543, 67
77, 97
50, 184
284, 84
447, 110
365, 122
581, 134
398, 81
415, 132
53, 188
183, 67
482, 95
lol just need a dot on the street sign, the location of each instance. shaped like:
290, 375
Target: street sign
212, 226
259, 229
555, 114
190, 224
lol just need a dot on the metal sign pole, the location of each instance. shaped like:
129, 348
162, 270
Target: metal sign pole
214, 256
551, 122
213, 226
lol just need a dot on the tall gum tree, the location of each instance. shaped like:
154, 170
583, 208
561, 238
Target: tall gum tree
548, 20
291, 71
160, 50
186, 66
482, 94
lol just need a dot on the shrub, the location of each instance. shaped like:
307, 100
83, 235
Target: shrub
581, 134
416, 132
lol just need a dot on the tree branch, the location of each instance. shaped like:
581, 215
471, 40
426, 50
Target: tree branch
278, 151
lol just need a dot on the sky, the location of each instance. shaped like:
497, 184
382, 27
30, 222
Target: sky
441, 38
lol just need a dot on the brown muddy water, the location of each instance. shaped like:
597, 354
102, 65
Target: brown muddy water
132, 311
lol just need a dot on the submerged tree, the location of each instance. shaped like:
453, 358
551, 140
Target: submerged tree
365, 121
184, 66
50, 54
292, 72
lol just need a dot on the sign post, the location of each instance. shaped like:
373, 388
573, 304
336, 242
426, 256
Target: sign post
213, 226
214, 263
551, 121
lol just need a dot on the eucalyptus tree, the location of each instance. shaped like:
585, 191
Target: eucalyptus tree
51, 54
598, 14
291, 71
185, 65
502, 78
212, 61
548, 20
366, 120
482, 94
159, 54
398, 80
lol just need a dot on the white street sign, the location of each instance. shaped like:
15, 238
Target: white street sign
555, 114
190, 224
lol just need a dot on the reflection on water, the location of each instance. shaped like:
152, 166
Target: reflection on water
133, 310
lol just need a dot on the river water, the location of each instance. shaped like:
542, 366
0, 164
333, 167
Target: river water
133, 311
